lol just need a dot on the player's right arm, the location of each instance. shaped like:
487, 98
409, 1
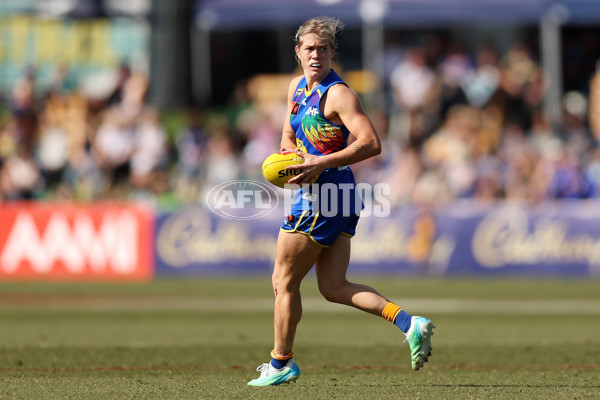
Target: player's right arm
288, 137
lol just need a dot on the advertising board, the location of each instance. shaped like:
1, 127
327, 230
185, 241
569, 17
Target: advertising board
561, 239
45, 241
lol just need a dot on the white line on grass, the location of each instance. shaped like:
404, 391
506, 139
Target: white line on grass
313, 304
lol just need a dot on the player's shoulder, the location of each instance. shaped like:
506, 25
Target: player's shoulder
293, 85
340, 93
295, 82
341, 89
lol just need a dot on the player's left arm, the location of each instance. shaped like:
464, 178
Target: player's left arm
344, 104
343, 107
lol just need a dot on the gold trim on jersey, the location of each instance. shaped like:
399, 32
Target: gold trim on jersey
309, 92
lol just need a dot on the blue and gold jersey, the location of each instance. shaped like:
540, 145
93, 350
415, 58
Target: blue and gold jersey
323, 216
315, 134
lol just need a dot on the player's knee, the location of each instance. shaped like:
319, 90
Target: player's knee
331, 297
276, 282
331, 293
284, 284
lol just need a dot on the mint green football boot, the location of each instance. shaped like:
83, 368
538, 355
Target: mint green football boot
419, 341
270, 376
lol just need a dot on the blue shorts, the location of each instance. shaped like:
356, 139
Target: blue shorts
326, 209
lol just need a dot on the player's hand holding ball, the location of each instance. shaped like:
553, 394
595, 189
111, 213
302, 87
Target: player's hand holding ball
310, 168
290, 166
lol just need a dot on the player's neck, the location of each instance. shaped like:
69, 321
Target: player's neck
314, 81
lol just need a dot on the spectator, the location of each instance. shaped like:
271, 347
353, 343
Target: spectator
451, 149
149, 159
410, 81
481, 82
20, 176
191, 152
113, 146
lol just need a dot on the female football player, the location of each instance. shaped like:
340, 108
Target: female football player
329, 129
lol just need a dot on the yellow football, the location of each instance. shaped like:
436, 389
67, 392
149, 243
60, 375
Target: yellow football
273, 167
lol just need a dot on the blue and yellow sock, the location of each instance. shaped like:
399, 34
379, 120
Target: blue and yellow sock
397, 316
279, 361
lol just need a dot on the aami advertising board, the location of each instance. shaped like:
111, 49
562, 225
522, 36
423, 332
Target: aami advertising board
75, 242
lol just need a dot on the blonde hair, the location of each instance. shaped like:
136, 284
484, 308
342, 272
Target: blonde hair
324, 28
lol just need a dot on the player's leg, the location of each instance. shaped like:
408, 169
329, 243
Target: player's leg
296, 254
331, 268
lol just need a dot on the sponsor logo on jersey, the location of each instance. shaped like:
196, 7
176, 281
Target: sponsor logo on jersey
310, 196
312, 111
295, 108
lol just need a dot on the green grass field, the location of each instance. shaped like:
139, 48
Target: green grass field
203, 339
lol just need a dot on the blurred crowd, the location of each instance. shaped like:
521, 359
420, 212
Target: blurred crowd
474, 126
63, 145
455, 125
